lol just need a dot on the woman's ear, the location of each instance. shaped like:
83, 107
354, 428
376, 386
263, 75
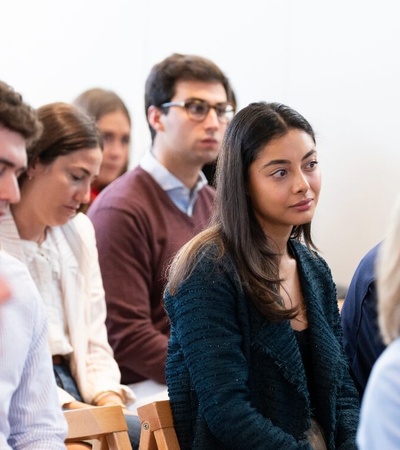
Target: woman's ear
30, 173
33, 168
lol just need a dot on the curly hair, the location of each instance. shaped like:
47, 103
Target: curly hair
18, 116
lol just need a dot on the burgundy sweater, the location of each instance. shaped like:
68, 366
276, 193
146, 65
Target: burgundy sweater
138, 230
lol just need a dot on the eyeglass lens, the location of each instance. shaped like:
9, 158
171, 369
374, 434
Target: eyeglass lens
198, 109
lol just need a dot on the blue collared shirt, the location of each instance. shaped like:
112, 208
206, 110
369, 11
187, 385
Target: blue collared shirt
183, 197
30, 414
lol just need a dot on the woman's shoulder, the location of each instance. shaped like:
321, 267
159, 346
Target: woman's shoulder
312, 266
213, 258
80, 235
307, 256
209, 265
80, 224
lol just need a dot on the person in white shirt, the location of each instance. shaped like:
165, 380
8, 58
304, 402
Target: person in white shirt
30, 417
380, 408
57, 244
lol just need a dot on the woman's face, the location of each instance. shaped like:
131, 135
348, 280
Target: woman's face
57, 190
284, 183
116, 131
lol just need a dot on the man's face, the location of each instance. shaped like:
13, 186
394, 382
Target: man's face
184, 141
13, 162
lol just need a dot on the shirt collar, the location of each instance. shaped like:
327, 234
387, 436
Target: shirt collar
183, 197
164, 177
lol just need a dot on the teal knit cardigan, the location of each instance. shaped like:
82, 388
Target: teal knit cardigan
237, 381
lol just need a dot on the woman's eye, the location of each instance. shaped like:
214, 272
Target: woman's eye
279, 173
108, 137
125, 140
76, 177
312, 164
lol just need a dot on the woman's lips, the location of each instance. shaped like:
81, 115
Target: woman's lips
304, 205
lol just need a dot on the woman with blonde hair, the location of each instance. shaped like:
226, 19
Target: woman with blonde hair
380, 410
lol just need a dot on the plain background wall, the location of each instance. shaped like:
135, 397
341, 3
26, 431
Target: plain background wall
335, 62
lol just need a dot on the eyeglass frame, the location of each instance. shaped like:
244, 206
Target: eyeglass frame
220, 114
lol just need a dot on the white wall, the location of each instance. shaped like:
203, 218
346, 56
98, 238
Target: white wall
336, 62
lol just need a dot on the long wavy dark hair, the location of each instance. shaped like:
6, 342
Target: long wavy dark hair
234, 229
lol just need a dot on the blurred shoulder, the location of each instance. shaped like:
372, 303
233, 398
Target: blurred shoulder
11, 267
16, 274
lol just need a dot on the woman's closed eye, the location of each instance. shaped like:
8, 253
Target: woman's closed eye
76, 177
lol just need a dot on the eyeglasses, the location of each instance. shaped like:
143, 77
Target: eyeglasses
198, 109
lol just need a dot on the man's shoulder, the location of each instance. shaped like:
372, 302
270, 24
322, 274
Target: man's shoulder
24, 290
135, 177
126, 191
10, 266
207, 192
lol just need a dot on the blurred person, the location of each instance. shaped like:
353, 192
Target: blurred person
255, 359
30, 417
380, 408
58, 246
361, 337
114, 122
145, 216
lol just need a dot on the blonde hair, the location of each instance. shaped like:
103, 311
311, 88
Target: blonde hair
388, 280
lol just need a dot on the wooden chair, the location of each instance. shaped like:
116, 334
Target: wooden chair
158, 432
105, 426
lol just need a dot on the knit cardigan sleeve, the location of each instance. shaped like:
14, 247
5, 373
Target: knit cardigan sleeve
207, 333
347, 400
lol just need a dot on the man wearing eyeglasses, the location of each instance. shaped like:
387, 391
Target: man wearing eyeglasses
148, 214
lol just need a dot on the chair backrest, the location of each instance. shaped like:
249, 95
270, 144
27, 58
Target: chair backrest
105, 425
158, 432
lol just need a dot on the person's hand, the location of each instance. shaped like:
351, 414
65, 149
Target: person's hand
113, 399
5, 290
76, 405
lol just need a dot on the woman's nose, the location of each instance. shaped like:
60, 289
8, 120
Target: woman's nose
83, 195
301, 184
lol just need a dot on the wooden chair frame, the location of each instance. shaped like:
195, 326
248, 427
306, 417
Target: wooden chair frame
158, 432
105, 425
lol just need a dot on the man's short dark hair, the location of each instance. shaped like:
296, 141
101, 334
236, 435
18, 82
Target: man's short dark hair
161, 82
18, 116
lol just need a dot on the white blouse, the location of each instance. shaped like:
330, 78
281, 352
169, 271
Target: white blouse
43, 264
